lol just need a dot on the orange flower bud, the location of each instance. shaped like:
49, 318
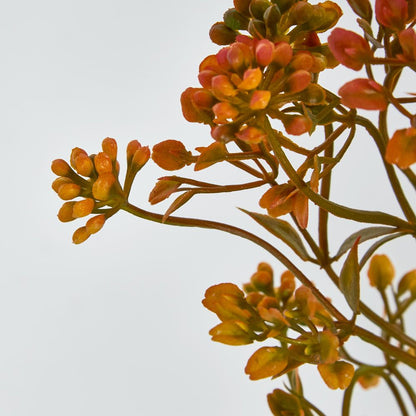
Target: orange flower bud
368, 380
298, 81
58, 182
221, 34
80, 235
283, 54
305, 301
232, 333
69, 191
224, 112
140, 157
190, 110
131, 150
262, 280
392, 13
408, 283
203, 99
302, 60
65, 213
251, 79
264, 52
83, 208
266, 362
222, 87
103, 163
162, 190
282, 403
380, 272
95, 224
407, 39
223, 133
260, 100
109, 146
297, 124
337, 375
401, 148
287, 285
171, 155
363, 93
76, 151
350, 49
101, 189
251, 135
84, 165
239, 56
60, 167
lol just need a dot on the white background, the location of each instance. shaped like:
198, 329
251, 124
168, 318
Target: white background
115, 326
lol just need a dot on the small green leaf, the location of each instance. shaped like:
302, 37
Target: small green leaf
364, 235
283, 230
349, 279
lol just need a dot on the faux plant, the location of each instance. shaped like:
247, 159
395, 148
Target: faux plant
260, 95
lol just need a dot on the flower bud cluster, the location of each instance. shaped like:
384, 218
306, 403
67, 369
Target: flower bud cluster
263, 312
89, 184
259, 74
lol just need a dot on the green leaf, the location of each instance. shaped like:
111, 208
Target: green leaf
283, 230
364, 235
349, 279
376, 245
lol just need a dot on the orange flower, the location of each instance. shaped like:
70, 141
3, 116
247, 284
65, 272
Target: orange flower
363, 93
337, 375
266, 362
401, 149
350, 49
392, 13
407, 39
171, 155
285, 198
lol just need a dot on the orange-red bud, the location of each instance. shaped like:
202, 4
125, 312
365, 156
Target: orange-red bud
103, 163
60, 167
140, 157
84, 165
283, 54
58, 182
264, 52
221, 87
266, 362
251, 135
392, 14
101, 188
162, 190
401, 148
65, 213
83, 208
251, 79
298, 81
260, 100
171, 155
224, 112
368, 380
363, 93
80, 235
131, 150
407, 39
350, 49
337, 375
95, 224
297, 124
69, 191
76, 151
109, 146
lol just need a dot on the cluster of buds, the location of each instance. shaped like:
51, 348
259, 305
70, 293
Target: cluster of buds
291, 315
259, 75
354, 51
89, 184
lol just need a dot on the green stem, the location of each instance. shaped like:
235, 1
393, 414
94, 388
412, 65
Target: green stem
372, 217
194, 222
